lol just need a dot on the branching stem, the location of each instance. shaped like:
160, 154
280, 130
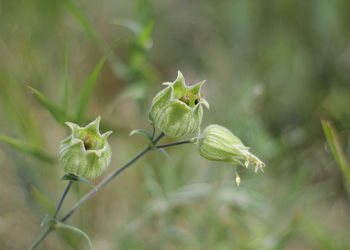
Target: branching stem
104, 182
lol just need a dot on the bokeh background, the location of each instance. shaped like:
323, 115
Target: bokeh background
273, 70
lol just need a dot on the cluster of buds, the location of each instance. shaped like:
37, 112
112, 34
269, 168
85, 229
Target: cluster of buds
176, 111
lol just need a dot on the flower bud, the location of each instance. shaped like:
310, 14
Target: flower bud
217, 143
85, 153
177, 109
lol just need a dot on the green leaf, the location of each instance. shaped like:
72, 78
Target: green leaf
43, 200
129, 24
141, 132
79, 16
333, 141
81, 179
162, 150
77, 230
88, 89
47, 219
117, 65
58, 114
72, 177
146, 34
28, 149
66, 87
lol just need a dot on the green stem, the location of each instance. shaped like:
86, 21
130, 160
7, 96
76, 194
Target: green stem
62, 199
110, 177
160, 136
104, 182
41, 238
153, 132
58, 208
175, 143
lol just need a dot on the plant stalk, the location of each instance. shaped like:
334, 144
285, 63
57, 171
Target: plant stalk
41, 238
62, 199
104, 182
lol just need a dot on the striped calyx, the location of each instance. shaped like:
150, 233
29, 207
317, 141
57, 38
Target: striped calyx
177, 109
85, 152
217, 143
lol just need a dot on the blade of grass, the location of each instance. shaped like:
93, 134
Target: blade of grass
14, 109
79, 16
58, 114
90, 84
141, 132
146, 35
333, 141
117, 65
43, 200
66, 88
77, 230
31, 150
87, 90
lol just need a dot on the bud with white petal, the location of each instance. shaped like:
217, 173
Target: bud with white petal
217, 143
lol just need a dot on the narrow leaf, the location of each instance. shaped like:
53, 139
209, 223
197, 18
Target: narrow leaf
46, 220
88, 89
66, 87
28, 149
141, 132
117, 65
58, 114
162, 150
90, 84
87, 182
77, 230
79, 16
72, 177
146, 34
333, 141
43, 200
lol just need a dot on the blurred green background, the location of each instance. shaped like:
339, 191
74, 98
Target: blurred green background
273, 70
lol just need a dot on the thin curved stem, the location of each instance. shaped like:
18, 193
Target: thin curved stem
110, 177
174, 144
58, 208
160, 136
62, 199
104, 182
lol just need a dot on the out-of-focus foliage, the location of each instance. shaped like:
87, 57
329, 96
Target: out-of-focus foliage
273, 70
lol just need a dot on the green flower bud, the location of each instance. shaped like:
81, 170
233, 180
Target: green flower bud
177, 109
217, 143
85, 153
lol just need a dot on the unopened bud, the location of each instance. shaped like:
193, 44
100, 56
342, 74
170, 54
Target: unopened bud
217, 143
85, 152
177, 110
